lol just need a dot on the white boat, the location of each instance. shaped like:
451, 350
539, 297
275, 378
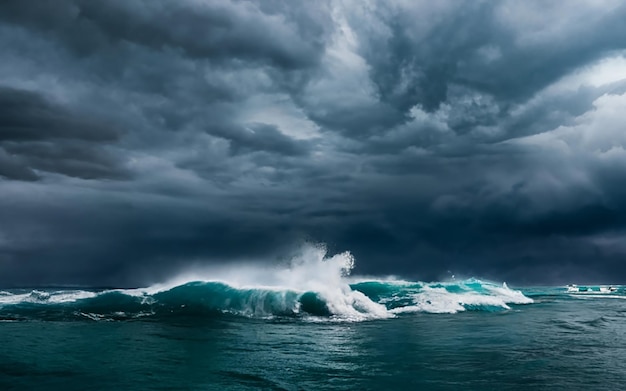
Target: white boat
573, 288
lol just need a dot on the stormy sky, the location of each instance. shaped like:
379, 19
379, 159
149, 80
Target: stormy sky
480, 138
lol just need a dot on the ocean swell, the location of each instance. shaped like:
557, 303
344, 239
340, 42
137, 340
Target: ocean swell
312, 287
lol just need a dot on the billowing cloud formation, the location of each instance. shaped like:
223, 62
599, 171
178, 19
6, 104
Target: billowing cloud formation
468, 137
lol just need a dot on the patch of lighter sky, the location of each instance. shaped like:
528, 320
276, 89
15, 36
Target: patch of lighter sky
597, 74
605, 71
536, 23
596, 131
345, 81
279, 110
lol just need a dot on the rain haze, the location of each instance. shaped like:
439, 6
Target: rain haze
139, 139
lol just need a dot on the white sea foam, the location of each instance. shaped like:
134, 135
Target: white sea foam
70, 296
436, 298
311, 270
265, 291
507, 294
54, 297
329, 276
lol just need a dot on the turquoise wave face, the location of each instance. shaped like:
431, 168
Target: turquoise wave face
360, 300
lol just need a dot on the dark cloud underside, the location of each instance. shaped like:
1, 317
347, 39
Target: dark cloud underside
468, 137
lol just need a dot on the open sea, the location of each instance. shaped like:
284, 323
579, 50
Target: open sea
326, 331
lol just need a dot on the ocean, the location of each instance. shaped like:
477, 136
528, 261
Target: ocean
311, 326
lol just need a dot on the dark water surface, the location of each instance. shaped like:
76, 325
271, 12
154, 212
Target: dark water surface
559, 342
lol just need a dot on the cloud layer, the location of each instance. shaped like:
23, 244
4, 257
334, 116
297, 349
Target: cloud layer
468, 137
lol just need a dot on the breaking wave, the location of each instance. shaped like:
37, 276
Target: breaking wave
312, 287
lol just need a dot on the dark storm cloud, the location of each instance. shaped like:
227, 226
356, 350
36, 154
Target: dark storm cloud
25, 115
138, 138
472, 44
260, 137
36, 134
421, 56
79, 160
219, 30
13, 167
87, 252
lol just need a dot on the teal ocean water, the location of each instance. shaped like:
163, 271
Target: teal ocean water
311, 327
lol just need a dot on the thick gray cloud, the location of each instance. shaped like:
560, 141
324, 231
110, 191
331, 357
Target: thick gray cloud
38, 135
476, 138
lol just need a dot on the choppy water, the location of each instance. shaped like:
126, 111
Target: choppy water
322, 332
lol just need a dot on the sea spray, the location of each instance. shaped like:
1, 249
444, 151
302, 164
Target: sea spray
313, 286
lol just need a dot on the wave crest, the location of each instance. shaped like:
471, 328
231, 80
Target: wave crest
313, 286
